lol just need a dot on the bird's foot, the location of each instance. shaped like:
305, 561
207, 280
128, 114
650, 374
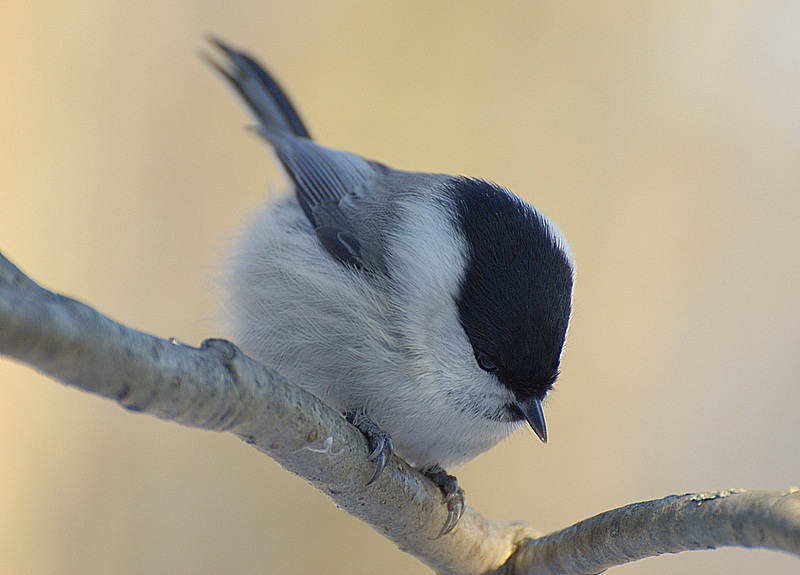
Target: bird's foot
380, 443
454, 496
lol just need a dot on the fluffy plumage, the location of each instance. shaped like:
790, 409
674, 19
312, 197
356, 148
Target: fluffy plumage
436, 305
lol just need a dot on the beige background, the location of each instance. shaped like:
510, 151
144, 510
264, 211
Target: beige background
664, 139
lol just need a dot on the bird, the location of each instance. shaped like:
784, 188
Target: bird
430, 310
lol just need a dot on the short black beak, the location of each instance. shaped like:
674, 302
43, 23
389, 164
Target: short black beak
532, 410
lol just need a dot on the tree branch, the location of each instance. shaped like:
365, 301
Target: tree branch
733, 517
217, 387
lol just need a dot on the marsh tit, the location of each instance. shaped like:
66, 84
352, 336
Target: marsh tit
431, 310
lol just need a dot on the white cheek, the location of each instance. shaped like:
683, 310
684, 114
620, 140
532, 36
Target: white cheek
427, 259
428, 254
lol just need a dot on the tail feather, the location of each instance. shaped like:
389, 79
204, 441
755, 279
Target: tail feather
262, 94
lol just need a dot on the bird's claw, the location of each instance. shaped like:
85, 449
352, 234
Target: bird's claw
452, 495
456, 504
381, 449
380, 443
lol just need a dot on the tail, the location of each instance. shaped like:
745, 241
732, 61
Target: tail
262, 94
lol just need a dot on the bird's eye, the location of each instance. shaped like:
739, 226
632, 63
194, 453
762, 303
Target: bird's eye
485, 363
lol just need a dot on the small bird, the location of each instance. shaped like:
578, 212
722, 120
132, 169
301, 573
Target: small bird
430, 310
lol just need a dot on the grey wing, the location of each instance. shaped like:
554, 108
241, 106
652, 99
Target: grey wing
328, 182
329, 185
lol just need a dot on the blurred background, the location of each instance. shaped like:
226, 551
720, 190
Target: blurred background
664, 138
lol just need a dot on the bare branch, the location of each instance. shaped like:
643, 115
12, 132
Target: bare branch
217, 387
676, 523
